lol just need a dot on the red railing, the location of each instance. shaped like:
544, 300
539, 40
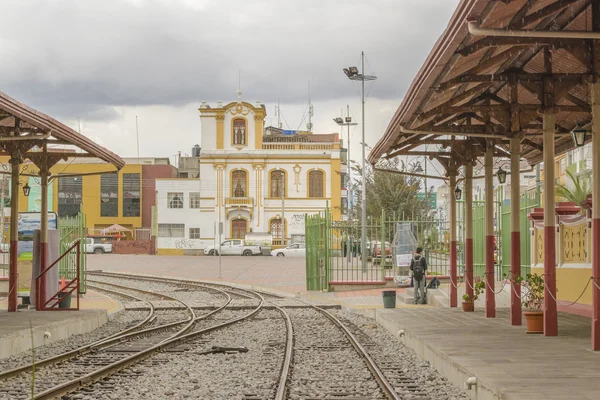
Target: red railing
73, 285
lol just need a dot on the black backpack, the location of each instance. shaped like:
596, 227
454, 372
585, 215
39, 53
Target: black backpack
418, 269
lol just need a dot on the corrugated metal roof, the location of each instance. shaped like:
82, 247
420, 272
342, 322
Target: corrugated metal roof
12, 108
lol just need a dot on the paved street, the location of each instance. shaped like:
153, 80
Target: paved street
281, 273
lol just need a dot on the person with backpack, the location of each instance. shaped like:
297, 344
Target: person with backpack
418, 266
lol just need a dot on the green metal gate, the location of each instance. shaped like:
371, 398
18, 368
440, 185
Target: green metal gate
73, 229
317, 251
529, 201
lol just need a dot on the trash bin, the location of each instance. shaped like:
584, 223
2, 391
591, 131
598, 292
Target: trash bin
389, 299
65, 300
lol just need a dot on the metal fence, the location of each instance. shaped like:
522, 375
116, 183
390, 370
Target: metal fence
73, 229
334, 252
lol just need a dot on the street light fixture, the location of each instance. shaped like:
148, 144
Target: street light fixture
501, 174
353, 75
457, 193
26, 189
579, 136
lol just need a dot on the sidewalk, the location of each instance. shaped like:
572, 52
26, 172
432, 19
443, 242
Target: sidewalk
15, 329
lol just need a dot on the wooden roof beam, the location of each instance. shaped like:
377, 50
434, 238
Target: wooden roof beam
491, 41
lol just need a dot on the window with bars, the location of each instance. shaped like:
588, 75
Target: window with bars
175, 200
315, 183
194, 233
239, 183
239, 131
131, 195
194, 200
171, 230
70, 196
277, 183
109, 195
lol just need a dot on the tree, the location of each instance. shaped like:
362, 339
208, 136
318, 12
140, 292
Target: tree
578, 193
395, 194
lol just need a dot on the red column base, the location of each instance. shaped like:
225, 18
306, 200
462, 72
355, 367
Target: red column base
516, 317
550, 312
453, 273
469, 266
490, 297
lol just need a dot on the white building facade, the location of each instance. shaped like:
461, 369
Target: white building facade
251, 179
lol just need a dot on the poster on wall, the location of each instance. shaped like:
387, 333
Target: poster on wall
28, 223
34, 200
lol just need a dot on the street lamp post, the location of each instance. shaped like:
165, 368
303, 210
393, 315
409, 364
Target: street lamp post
353, 74
347, 122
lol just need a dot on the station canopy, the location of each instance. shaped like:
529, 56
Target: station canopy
36, 133
489, 77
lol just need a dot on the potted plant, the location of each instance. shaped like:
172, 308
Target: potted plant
532, 301
469, 300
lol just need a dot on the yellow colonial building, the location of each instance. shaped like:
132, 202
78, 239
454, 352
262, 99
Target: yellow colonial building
251, 179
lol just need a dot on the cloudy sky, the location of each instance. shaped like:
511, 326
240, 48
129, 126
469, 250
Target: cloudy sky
106, 61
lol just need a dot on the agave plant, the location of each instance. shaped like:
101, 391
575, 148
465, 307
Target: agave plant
579, 192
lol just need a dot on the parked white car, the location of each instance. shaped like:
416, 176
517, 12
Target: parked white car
233, 247
293, 250
95, 245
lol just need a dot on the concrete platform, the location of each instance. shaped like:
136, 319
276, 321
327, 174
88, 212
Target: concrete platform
15, 331
508, 363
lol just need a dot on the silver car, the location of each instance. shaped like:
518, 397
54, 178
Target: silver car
293, 250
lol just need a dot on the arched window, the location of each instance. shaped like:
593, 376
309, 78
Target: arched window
277, 183
238, 228
315, 184
238, 183
277, 231
239, 131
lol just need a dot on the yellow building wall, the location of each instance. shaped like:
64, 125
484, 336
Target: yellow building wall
570, 282
336, 189
91, 193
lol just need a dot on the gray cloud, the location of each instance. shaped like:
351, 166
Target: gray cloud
80, 59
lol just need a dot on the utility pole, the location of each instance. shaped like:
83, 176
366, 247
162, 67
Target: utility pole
282, 189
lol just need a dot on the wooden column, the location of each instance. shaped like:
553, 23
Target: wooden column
469, 228
42, 296
453, 284
13, 275
549, 122
515, 230
490, 299
596, 215
595, 89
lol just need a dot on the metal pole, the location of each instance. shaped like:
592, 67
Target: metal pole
490, 299
469, 228
515, 231
348, 162
2, 212
283, 209
364, 180
44, 231
596, 215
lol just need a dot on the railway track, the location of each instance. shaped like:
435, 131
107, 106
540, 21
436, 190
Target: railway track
316, 346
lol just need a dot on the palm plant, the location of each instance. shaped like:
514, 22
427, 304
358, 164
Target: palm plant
578, 193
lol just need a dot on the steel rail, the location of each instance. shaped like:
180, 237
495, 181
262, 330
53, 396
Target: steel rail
86, 348
281, 393
190, 320
115, 367
371, 364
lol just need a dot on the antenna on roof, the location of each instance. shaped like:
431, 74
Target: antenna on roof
137, 133
309, 126
278, 112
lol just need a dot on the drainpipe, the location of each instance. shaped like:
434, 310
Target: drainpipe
490, 300
476, 30
27, 137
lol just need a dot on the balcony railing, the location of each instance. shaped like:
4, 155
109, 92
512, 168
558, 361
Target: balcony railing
239, 201
300, 146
